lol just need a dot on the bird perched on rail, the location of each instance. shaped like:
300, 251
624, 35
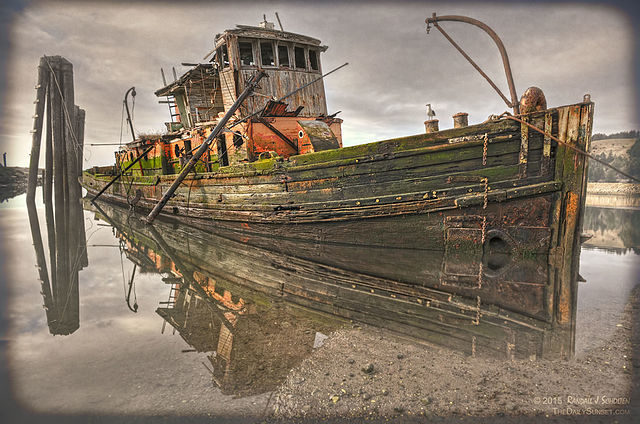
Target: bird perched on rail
430, 112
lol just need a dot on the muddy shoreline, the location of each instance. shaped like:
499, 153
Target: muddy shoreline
366, 373
13, 181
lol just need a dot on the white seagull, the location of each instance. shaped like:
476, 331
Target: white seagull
430, 112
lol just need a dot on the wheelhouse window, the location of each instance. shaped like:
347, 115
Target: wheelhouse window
301, 61
283, 56
266, 53
313, 60
223, 56
246, 53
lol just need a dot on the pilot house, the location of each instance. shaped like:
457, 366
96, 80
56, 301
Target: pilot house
296, 125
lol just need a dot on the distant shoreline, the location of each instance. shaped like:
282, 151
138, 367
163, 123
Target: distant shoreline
616, 195
619, 189
13, 181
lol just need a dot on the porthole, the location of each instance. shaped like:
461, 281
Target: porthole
497, 252
300, 134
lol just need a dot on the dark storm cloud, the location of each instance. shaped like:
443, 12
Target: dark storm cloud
395, 67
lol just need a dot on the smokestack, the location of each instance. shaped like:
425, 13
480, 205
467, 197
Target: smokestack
460, 120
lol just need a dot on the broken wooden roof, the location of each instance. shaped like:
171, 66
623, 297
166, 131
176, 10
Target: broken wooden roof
198, 69
266, 33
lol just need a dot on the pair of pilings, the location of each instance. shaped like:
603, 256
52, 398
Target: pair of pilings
64, 139
63, 124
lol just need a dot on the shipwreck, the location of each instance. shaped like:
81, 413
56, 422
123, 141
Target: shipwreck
241, 159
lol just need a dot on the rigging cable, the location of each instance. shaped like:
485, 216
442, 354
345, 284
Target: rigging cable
508, 115
121, 123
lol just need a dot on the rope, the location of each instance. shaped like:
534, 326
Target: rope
557, 140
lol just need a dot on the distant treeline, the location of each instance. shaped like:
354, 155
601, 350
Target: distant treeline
629, 163
621, 134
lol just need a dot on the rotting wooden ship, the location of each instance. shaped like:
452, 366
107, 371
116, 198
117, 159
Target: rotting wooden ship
512, 186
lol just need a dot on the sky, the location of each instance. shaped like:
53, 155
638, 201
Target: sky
395, 67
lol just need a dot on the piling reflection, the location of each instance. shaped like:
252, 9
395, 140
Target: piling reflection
255, 307
67, 248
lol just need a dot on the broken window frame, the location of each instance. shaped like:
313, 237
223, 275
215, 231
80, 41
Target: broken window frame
316, 54
273, 53
241, 62
286, 48
222, 53
304, 57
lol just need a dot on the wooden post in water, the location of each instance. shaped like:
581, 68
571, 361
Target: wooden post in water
79, 130
61, 192
47, 180
37, 130
59, 170
72, 187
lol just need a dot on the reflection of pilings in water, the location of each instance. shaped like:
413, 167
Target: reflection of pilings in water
41, 264
61, 193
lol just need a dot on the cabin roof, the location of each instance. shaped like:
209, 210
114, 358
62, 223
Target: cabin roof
169, 88
265, 33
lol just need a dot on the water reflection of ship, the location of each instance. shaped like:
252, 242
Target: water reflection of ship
387, 301
251, 339
616, 230
251, 344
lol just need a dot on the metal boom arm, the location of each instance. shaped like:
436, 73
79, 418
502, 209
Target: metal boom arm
503, 52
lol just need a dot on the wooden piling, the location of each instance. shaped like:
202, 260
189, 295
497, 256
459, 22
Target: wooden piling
59, 172
79, 132
79, 129
61, 193
69, 120
47, 180
37, 131
68, 287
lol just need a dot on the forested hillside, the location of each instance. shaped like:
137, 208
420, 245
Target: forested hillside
621, 150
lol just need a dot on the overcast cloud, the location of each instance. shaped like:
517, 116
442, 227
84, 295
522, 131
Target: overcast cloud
395, 67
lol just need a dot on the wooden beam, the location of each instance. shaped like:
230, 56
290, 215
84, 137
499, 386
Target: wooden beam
277, 132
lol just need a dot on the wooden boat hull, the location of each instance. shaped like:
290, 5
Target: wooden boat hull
411, 175
476, 198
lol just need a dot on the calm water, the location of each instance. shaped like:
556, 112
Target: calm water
164, 323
